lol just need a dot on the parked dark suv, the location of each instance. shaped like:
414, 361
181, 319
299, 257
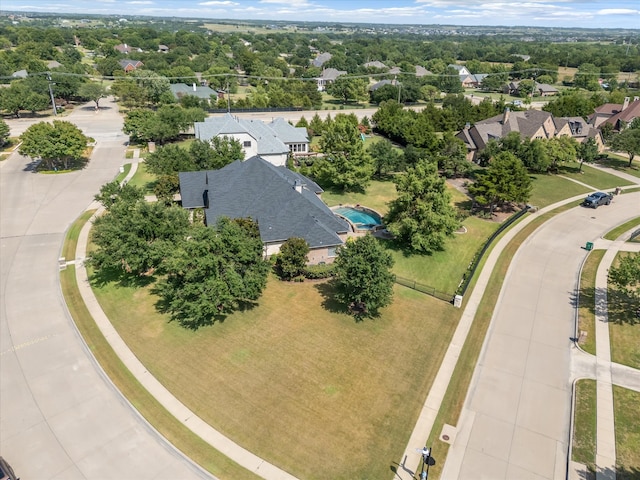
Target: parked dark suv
6, 472
596, 199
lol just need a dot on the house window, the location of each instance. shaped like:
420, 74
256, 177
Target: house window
247, 144
331, 252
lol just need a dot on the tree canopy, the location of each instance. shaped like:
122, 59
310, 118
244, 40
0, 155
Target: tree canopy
627, 141
364, 281
212, 272
626, 275
505, 180
58, 144
292, 258
422, 217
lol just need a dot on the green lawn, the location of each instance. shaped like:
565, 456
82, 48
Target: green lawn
549, 189
377, 196
625, 408
624, 327
444, 270
586, 309
625, 227
296, 374
592, 176
143, 179
584, 426
621, 163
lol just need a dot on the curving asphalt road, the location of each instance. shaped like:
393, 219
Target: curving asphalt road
60, 418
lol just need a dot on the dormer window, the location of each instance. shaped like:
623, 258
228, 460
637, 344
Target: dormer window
247, 144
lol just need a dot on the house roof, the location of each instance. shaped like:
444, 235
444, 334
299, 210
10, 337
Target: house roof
321, 59
134, 63
331, 73
53, 64
527, 123
374, 64
20, 74
271, 139
381, 83
421, 71
257, 189
627, 115
577, 125
182, 89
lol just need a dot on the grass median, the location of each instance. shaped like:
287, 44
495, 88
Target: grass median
584, 425
587, 302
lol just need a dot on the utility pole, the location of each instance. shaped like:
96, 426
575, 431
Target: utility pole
53, 100
228, 98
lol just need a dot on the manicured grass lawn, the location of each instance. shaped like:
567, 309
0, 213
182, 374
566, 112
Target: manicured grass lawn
377, 196
624, 327
143, 179
126, 168
625, 408
586, 309
625, 227
584, 426
296, 374
548, 189
621, 163
181, 437
594, 177
444, 270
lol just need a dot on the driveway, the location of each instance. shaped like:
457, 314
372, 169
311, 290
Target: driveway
60, 417
515, 421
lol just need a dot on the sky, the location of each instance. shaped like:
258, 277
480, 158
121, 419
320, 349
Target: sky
556, 13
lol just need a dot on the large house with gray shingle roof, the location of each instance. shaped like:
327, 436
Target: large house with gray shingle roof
272, 141
532, 124
284, 203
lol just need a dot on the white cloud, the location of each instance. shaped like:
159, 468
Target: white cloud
140, 2
618, 11
219, 3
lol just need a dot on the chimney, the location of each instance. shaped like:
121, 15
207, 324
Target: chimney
625, 104
194, 86
297, 185
505, 116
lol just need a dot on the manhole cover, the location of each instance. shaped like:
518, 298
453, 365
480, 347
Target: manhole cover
445, 437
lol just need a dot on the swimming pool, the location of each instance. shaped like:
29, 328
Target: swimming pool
363, 219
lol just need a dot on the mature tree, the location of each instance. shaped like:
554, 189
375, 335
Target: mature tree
57, 143
217, 153
422, 217
526, 88
5, 131
153, 84
386, 158
18, 97
561, 150
292, 259
136, 237
587, 77
93, 91
348, 89
627, 141
113, 192
452, 157
534, 154
212, 272
626, 275
505, 180
129, 92
364, 281
588, 151
346, 164
162, 125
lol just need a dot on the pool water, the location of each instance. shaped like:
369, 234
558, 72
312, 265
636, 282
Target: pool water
360, 218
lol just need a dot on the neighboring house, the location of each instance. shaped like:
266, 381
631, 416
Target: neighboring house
468, 79
541, 89
321, 59
20, 74
328, 76
579, 129
284, 204
130, 65
422, 72
530, 124
180, 90
163, 49
375, 64
621, 115
53, 64
381, 83
127, 49
273, 141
